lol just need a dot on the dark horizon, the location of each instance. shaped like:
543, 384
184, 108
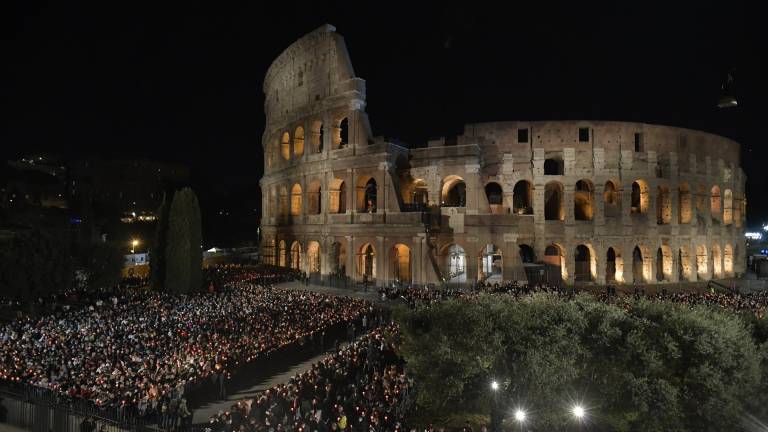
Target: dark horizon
183, 83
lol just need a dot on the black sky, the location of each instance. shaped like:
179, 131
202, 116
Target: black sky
182, 81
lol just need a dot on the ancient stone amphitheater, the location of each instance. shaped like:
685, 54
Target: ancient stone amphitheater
562, 201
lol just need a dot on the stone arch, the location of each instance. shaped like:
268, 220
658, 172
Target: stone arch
727, 207
495, 195
314, 257
296, 255
583, 199
337, 197
717, 262
453, 260
296, 200
663, 206
341, 133
316, 141
553, 201
702, 260
527, 256
684, 203
554, 166
338, 259
614, 265
366, 262
285, 145
491, 264
419, 193
728, 260
453, 192
664, 263
638, 265
298, 142
685, 265
401, 263
584, 259
281, 253
611, 200
715, 205
315, 197
522, 198
284, 201
367, 191
554, 259
640, 197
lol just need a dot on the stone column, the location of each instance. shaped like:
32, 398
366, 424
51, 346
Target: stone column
382, 261
473, 188
351, 255
472, 253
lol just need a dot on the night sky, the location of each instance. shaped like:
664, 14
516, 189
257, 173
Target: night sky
182, 82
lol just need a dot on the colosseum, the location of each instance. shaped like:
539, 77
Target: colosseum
574, 202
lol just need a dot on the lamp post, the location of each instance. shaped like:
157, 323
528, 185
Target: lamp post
520, 417
579, 414
495, 406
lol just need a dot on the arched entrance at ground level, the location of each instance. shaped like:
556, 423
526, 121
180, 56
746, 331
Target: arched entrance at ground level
281, 253
685, 269
702, 270
663, 264
491, 265
526, 254
296, 255
338, 259
366, 262
638, 266
717, 262
728, 260
313, 257
614, 266
453, 262
583, 260
401, 263
554, 257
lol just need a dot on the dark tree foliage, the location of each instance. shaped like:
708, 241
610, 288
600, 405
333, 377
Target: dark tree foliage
157, 250
654, 367
103, 261
35, 263
182, 244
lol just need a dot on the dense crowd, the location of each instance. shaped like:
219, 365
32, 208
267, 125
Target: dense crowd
362, 388
138, 351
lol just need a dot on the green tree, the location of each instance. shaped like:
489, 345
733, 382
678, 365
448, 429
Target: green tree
35, 263
183, 254
103, 262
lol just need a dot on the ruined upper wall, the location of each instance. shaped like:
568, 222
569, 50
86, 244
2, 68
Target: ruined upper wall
314, 74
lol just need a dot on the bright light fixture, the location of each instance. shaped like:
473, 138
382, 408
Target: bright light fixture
520, 415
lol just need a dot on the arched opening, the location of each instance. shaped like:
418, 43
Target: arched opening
727, 207
269, 252
337, 198
366, 195
728, 260
281, 253
663, 206
420, 193
296, 200
343, 132
715, 205
684, 198
298, 142
491, 264
315, 197
366, 262
317, 136
338, 259
614, 266
611, 204
454, 192
522, 198
526, 254
638, 266
583, 261
717, 261
554, 260
284, 206
454, 263
401, 263
554, 166
664, 263
702, 259
495, 196
685, 267
285, 146
313, 257
296, 255
553, 201
582, 200
639, 197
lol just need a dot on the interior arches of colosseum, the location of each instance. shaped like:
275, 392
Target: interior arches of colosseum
640, 197
340, 133
702, 261
717, 261
685, 264
316, 139
614, 265
554, 166
284, 201
367, 190
337, 196
664, 263
715, 205
583, 200
553, 201
315, 197
554, 259
639, 258
296, 200
366, 262
285, 145
495, 195
527, 255
663, 206
684, 202
401, 263
314, 258
337, 259
491, 264
611, 200
522, 198
585, 262
281, 253
296, 255
298, 142
727, 207
728, 260
418, 193
453, 263
453, 192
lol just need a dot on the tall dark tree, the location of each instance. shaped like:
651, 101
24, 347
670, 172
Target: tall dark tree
157, 250
35, 263
183, 254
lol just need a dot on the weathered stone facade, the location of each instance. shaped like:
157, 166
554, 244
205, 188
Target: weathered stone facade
584, 201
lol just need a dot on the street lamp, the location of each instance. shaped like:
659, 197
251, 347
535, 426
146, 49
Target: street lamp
579, 413
495, 423
520, 417
494, 385
134, 243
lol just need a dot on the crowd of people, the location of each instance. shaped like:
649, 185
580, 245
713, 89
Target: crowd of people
138, 352
362, 387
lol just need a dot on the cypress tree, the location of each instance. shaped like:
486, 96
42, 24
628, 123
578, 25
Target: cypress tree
183, 257
157, 251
